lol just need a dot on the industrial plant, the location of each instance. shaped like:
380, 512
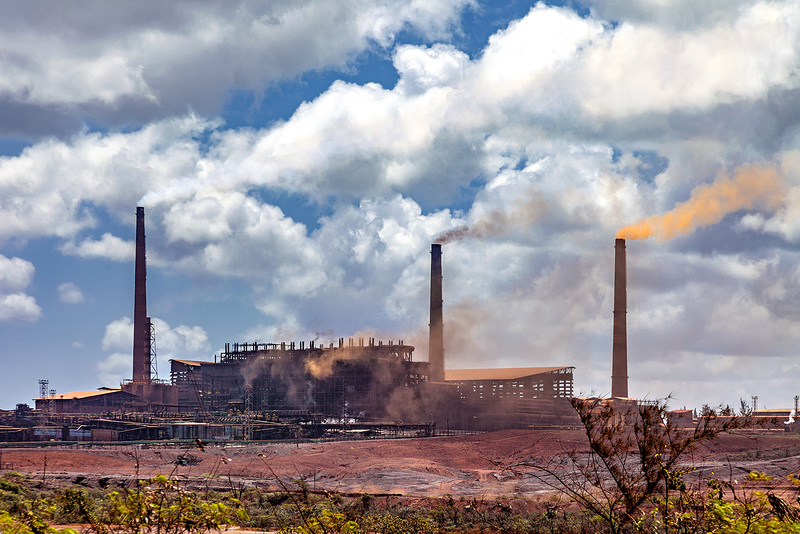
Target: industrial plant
342, 388
288, 389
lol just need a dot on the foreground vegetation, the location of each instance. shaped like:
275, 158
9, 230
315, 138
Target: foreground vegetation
160, 506
634, 479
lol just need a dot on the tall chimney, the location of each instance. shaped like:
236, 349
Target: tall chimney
436, 344
619, 363
141, 322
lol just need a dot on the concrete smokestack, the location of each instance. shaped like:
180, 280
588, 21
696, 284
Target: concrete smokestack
141, 322
436, 344
619, 363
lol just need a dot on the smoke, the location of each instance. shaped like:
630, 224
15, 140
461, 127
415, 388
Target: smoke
322, 363
322, 366
750, 186
498, 222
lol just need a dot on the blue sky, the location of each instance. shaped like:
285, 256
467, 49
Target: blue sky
296, 159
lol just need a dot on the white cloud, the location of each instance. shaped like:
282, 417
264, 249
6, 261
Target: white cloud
162, 59
554, 130
188, 342
119, 336
438, 125
108, 246
520, 61
639, 69
114, 369
18, 307
421, 68
52, 187
180, 342
230, 234
16, 275
70, 293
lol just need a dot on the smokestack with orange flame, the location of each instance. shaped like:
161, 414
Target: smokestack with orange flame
750, 186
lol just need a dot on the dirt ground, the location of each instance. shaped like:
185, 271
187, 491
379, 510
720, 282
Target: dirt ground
469, 466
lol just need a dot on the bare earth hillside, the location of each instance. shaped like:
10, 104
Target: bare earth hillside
470, 466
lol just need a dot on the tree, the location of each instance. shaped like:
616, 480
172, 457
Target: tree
634, 458
706, 410
744, 408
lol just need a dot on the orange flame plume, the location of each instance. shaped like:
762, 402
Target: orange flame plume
750, 186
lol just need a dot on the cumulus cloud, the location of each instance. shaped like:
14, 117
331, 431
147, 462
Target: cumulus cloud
70, 293
160, 59
19, 307
53, 188
440, 124
108, 246
655, 70
561, 131
188, 342
16, 275
422, 68
114, 369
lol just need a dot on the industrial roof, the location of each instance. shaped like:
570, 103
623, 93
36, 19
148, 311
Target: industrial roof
81, 394
190, 362
506, 373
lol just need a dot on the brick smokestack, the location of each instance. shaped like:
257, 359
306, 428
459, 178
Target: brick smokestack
436, 344
619, 363
141, 322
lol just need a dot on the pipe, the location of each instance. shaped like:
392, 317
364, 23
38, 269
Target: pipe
141, 323
619, 363
436, 342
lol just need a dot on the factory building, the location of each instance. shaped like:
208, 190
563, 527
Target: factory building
512, 383
353, 380
99, 401
256, 387
363, 380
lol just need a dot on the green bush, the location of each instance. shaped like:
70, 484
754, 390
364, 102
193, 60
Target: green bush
161, 505
392, 524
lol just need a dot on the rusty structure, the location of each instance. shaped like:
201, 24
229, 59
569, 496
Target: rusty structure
519, 397
513, 382
515, 397
100, 401
348, 388
151, 392
619, 356
352, 380
436, 339
141, 322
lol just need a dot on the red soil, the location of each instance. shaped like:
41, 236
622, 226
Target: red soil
465, 465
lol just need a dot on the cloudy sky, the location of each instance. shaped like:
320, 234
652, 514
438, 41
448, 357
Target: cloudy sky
296, 158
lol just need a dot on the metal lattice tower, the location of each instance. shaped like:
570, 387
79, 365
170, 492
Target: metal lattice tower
43, 386
153, 363
43, 383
